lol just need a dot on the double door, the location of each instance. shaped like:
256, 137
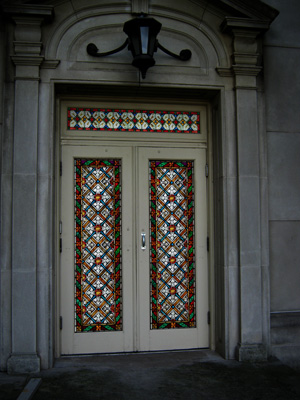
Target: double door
133, 263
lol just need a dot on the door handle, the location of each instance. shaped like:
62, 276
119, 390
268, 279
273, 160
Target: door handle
143, 246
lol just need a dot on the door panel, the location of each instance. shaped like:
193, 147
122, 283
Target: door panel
96, 259
133, 269
172, 314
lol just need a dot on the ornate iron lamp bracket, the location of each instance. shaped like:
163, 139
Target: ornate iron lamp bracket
184, 55
92, 50
142, 42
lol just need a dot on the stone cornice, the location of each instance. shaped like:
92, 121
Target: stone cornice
246, 70
32, 48
249, 8
225, 72
28, 19
243, 70
231, 23
27, 60
246, 56
27, 10
50, 64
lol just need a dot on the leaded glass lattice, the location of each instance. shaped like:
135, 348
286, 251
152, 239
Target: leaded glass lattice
99, 119
172, 245
97, 245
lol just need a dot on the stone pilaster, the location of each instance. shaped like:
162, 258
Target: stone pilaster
245, 68
27, 60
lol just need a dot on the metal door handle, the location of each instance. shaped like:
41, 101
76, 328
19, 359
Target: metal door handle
143, 246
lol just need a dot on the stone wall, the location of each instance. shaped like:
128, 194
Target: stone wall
282, 88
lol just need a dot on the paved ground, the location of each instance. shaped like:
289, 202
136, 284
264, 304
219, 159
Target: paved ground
201, 375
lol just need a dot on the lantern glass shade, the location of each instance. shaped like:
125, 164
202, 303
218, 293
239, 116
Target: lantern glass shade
144, 39
142, 32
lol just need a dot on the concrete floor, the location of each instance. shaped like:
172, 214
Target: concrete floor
199, 374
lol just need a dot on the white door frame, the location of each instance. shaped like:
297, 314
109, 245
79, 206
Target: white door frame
123, 138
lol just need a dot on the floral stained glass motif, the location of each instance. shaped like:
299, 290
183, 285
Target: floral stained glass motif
97, 245
98, 119
172, 245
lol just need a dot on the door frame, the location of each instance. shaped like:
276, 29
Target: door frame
109, 139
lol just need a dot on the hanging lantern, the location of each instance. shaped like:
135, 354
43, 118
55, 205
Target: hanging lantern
142, 42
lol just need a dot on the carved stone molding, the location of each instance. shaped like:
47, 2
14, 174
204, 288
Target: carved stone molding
27, 60
225, 72
30, 10
246, 70
246, 55
230, 23
33, 48
50, 64
28, 38
239, 70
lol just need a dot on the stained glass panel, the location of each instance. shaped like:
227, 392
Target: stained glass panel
98, 119
97, 245
172, 245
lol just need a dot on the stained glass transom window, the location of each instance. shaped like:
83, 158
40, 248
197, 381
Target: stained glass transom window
172, 245
98, 119
97, 245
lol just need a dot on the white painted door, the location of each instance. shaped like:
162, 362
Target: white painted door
133, 273
174, 259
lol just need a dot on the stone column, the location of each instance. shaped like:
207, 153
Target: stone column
27, 60
245, 68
